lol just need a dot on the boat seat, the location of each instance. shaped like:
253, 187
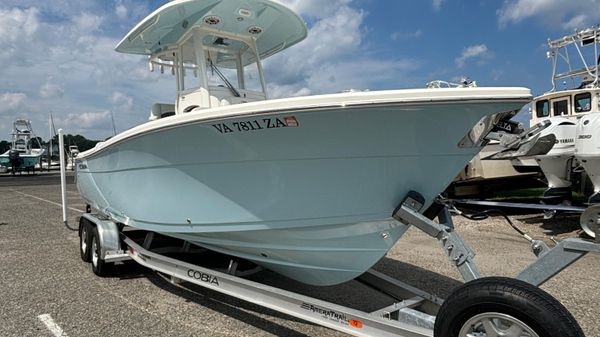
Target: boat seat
161, 110
198, 99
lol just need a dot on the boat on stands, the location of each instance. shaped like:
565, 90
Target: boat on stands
22, 155
304, 186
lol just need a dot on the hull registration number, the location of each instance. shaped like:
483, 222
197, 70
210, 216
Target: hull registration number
257, 124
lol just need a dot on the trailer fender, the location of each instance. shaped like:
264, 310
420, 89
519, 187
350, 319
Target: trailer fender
108, 234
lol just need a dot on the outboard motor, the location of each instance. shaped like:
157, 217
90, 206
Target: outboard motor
15, 159
557, 164
587, 145
521, 143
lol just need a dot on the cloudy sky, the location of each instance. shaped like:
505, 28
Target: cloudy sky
57, 56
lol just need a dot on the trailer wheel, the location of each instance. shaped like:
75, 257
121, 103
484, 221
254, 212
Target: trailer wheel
99, 267
499, 306
84, 240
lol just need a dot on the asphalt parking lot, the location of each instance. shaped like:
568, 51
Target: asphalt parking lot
46, 289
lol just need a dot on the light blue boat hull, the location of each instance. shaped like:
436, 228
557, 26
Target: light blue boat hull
312, 202
28, 161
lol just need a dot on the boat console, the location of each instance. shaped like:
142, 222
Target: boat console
216, 59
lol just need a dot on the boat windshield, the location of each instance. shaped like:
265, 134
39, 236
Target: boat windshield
213, 69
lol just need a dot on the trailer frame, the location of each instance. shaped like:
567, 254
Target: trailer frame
412, 314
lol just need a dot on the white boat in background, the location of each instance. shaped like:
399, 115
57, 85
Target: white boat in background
568, 116
575, 110
73, 151
22, 155
304, 186
583, 103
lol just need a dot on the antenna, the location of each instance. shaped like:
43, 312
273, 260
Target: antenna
112, 118
53, 127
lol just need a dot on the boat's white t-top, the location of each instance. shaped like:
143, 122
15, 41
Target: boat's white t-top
22, 136
214, 49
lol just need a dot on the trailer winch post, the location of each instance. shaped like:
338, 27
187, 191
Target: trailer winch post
63, 180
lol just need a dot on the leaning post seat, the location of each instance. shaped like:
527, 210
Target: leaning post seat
160, 110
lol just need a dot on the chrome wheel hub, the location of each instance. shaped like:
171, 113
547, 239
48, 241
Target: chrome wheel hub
494, 324
83, 240
94, 252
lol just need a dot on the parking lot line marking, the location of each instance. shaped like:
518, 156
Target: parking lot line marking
48, 201
52, 326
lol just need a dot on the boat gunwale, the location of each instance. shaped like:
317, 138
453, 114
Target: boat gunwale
217, 113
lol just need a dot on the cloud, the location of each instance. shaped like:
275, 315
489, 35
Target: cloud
479, 51
287, 90
59, 8
51, 90
87, 120
578, 21
18, 27
339, 57
315, 8
360, 74
121, 11
329, 39
122, 101
12, 102
339, 33
566, 15
73, 58
437, 5
16, 24
398, 36
87, 23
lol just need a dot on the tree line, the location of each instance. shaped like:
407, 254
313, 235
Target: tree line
83, 144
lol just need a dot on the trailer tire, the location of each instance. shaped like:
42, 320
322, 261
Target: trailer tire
477, 306
99, 266
84, 240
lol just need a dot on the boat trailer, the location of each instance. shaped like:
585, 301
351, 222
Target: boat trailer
481, 307
466, 312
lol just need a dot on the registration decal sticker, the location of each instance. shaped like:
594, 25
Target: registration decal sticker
291, 121
257, 124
